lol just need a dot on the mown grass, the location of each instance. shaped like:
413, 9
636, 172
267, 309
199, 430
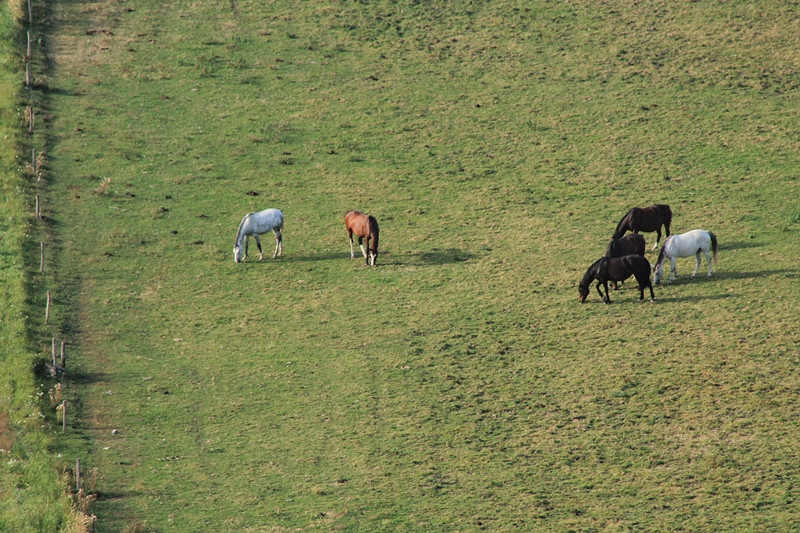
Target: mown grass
459, 385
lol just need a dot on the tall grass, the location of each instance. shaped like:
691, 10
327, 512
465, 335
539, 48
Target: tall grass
34, 496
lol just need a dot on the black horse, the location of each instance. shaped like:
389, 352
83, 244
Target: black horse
646, 219
629, 244
608, 269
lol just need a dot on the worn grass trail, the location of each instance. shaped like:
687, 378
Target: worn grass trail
459, 385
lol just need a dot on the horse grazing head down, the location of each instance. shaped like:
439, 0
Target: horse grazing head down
586, 282
365, 227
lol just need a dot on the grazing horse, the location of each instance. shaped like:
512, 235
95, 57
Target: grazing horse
255, 224
646, 219
629, 244
685, 245
365, 227
608, 269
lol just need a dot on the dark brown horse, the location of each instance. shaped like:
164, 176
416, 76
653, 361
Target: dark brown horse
646, 219
616, 269
629, 244
364, 227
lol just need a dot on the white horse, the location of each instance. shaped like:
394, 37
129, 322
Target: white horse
685, 245
256, 224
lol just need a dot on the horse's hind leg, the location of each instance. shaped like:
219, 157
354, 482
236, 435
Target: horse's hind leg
658, 238
708, 260
278, 244
352, 252
697, 263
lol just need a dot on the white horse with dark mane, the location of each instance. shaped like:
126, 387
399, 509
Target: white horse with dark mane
685, 245
255, 224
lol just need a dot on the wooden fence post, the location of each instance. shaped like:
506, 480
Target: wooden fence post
47, 311
64, 355
77, 475
41, 258
64, 416
38, 208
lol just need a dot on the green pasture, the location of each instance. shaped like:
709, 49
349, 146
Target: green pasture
459, 385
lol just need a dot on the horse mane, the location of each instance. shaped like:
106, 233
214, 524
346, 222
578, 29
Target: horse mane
241, 225
590, 275
374, 230
661, 254
622, 225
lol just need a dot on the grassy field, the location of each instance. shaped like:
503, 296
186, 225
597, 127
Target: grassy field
33, 483
459, 385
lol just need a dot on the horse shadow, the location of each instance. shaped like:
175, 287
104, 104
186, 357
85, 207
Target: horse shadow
328, 256
739, 245
693, 298
427, 258
752, 274
439, 257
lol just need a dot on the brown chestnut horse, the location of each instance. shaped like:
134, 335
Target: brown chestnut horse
364, 227
646, 219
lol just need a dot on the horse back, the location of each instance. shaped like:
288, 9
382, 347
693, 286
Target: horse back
360, 223
629, 244
637, 265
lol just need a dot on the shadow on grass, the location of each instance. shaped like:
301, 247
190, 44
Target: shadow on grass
85, 378
733, 274
691, 298
738, 245
434, 257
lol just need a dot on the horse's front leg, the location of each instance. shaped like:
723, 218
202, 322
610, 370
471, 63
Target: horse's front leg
361, 245
606, 298
367, 256
260, 251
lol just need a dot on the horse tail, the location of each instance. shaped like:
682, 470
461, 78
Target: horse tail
241, 225
622, 226
666, 213
375, 231
713, 245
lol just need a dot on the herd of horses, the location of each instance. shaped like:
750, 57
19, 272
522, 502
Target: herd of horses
624, 256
